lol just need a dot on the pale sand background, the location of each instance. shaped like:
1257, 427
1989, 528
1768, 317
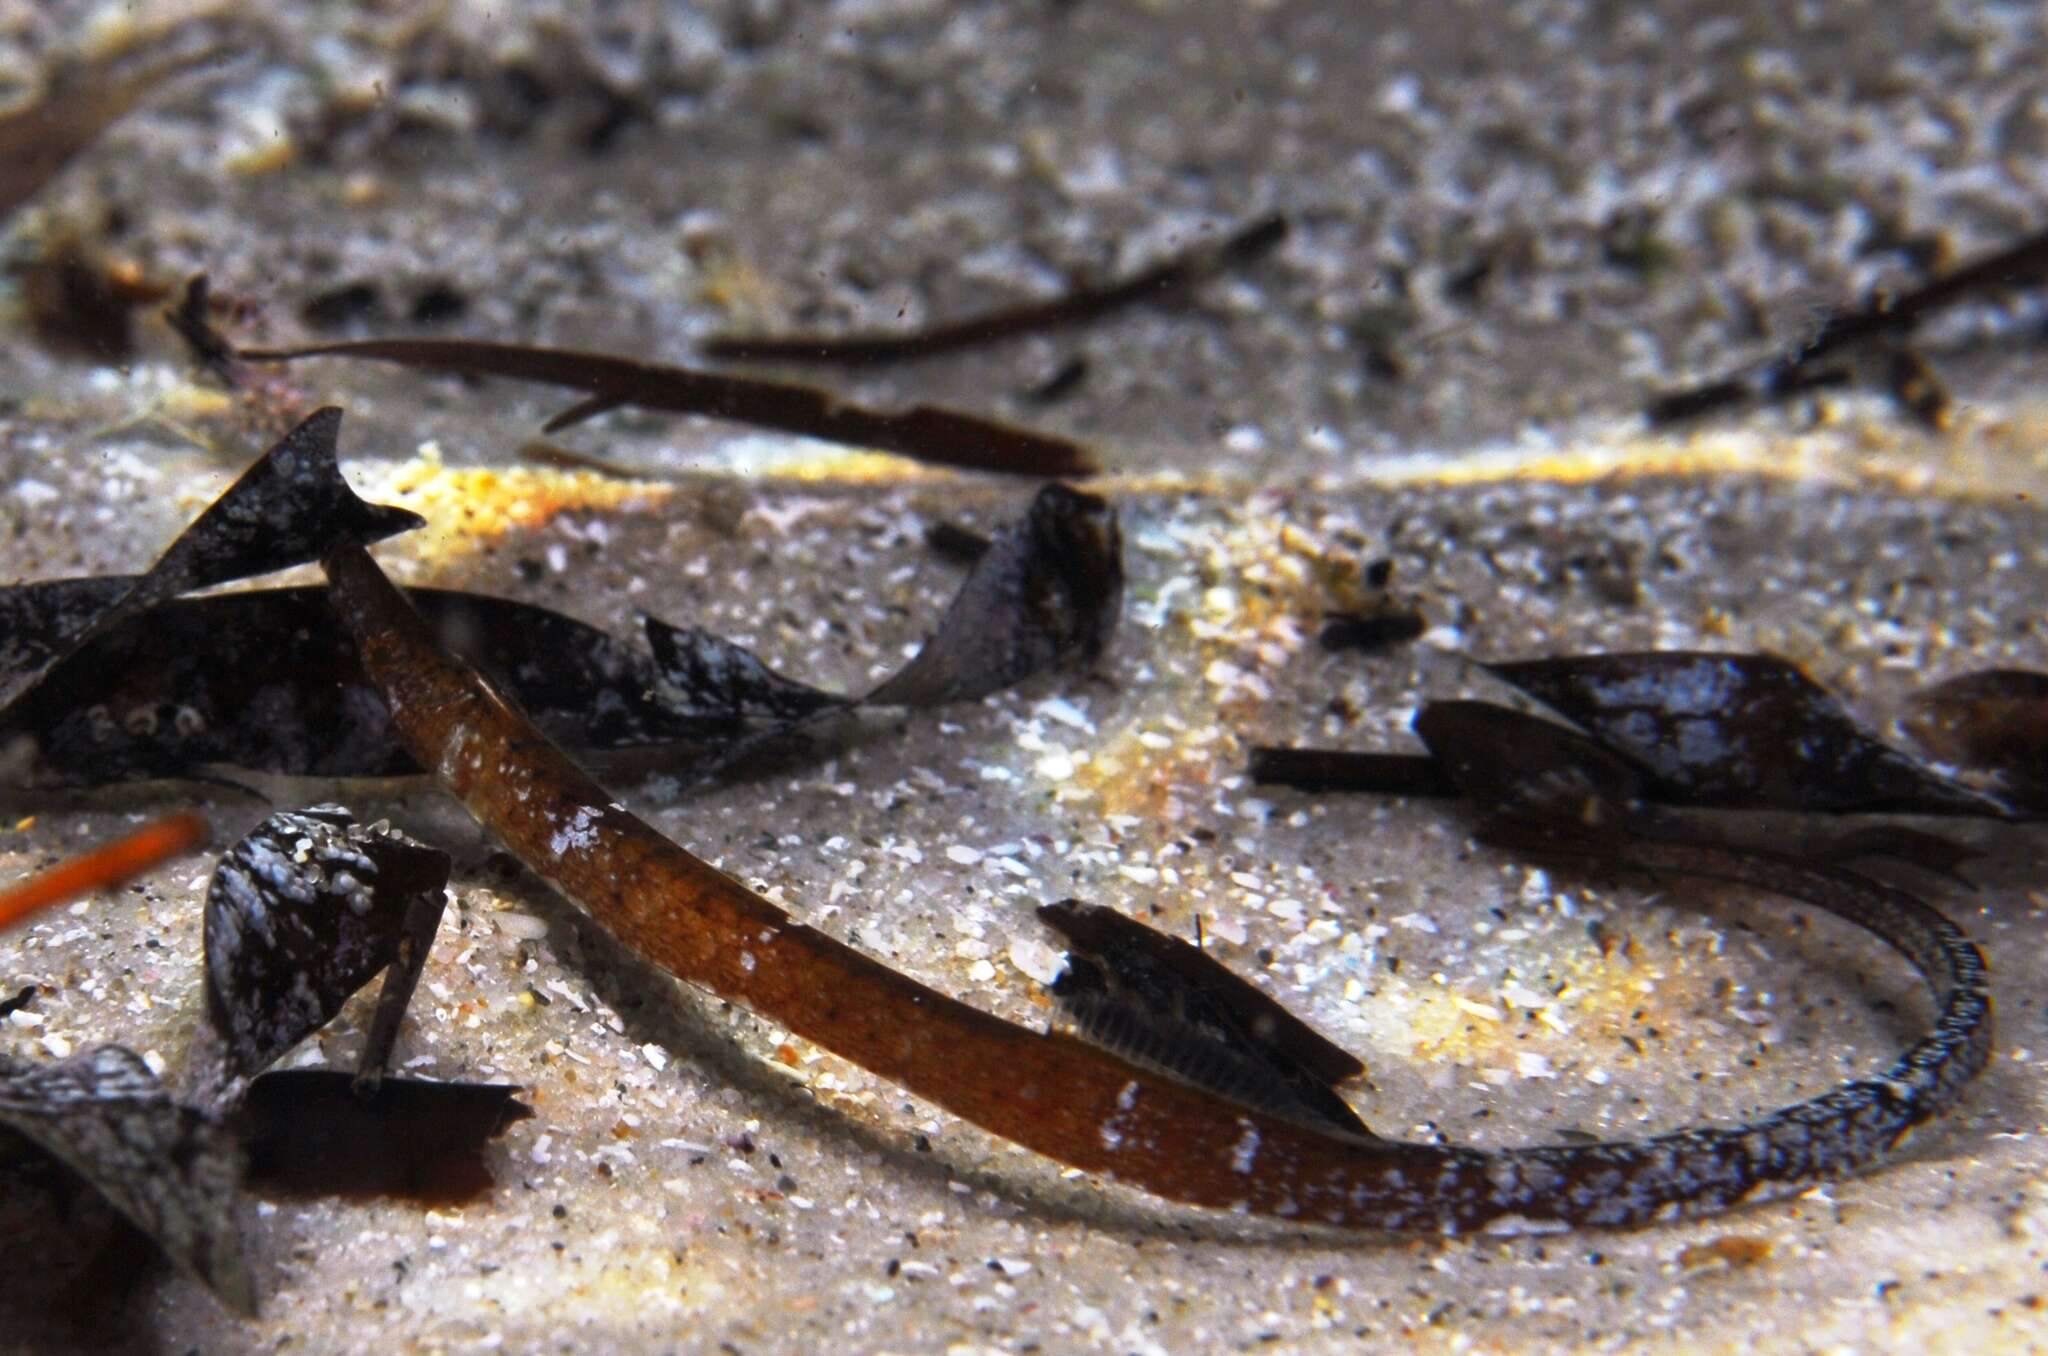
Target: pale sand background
844, 164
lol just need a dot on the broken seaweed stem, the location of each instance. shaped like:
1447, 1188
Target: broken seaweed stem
924, 433
1161, 282
1088, 1108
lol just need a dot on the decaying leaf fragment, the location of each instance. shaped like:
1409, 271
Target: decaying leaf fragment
1724, 731
304, 911
1993, 721
169, 1168
1747, 731
1521, 767
319, 1132
264, 681
1163, 1004
1048, 591
283, 511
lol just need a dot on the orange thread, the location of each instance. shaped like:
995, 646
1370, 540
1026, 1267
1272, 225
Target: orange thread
106, 867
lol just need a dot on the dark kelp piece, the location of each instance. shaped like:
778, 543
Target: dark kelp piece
37, 620
1994, 721
303, 912
925, 433
1048, 591
1513, 765
1092, 1109
1162, 1003
707, 677
285, 510
1161, 282
1882, 323
1743, 731
264, 681
167, 1167
1319, 770
316, 1132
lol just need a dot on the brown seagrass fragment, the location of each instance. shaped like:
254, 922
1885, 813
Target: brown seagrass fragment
1092, 1109
925, 433
1161, 282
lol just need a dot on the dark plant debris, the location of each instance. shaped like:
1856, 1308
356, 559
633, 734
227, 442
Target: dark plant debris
192, 319
1094, 1110
262, 681
81, 302
171, 1169
283, 511
1161, 282
1747, 731
1994, 721
304, 911
1681, 728
1063, 381
1370, 633
1880, 327
315, 1132
924, 433
1169, 1006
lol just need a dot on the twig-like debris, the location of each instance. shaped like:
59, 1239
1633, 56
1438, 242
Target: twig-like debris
1161, 282
1370, 633
192, 318
104, 868
1885, 320
924, 433
1088, 1108
1318, 770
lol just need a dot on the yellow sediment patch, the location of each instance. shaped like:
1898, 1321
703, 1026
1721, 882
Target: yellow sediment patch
467, 506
